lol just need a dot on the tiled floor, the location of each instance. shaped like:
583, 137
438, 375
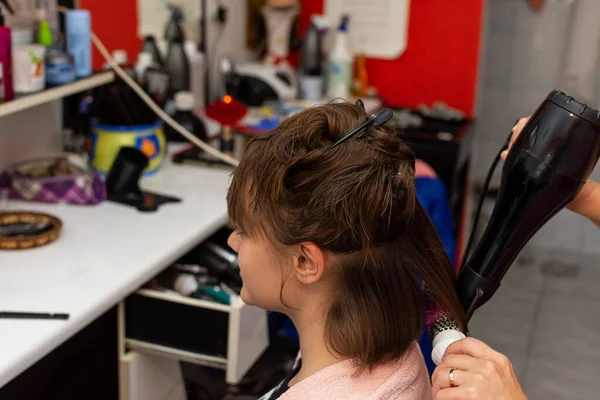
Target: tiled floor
546, 318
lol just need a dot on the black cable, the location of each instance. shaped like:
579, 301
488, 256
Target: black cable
222, 20
484, 191
211, 50
213, 54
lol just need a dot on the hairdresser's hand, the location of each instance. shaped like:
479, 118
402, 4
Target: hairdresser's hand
516, 130
585, 203
479, 373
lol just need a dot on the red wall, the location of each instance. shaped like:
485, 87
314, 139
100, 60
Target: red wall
115, 23
440, 61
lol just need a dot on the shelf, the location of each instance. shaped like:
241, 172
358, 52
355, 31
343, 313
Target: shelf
21, 103
181, 355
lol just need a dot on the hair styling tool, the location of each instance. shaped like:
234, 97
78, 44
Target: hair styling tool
378, 119
32, 315
545, 169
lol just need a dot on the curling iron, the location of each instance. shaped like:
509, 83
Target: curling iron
545, 169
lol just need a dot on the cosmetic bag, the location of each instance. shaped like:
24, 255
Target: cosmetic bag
60, 179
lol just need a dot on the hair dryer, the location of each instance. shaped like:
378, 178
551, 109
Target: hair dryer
545, 169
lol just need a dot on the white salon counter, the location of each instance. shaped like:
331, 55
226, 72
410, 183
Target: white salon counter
105, 252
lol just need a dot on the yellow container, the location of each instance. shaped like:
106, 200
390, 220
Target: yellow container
107, 140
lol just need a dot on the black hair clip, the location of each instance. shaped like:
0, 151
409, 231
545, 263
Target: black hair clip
377, 119
360, 104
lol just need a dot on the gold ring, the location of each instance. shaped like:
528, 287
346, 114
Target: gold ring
451, 377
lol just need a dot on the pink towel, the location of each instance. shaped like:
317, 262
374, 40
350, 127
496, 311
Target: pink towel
405, 379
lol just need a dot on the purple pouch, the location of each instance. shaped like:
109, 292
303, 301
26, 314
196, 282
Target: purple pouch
53, 180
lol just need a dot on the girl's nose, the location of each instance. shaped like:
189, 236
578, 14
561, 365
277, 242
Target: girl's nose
234, 241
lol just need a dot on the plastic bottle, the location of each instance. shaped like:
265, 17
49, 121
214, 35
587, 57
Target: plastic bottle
340, 64
28, 66
311, 52
21, 36
78, 26
174, 31
311, 61
45, 34
197, 74
60, 67
178, 67
144, 62
361, 78
6, 79
184, 103
42, 31
150, 46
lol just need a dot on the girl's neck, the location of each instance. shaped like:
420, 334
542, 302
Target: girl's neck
316, 356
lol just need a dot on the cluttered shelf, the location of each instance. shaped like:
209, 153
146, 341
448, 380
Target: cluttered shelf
103, 254
28, 101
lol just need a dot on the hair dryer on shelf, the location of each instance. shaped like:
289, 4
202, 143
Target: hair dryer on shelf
545, 169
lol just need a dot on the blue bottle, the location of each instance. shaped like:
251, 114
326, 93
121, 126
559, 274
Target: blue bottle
79, 45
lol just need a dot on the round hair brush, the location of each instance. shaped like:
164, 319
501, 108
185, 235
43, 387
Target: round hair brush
442, 331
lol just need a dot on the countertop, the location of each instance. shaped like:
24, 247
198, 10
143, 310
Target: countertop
105, 253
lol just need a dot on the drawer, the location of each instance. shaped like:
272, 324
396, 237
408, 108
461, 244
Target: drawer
228, 337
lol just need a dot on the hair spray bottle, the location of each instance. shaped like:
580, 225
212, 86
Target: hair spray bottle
6, 80
79, 41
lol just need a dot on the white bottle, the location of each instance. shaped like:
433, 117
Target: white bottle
144, 62
197, 74
184, 101
339, 76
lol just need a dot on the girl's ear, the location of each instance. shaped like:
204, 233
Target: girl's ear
309, 265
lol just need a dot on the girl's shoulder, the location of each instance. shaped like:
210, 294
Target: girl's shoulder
404, 379
407, 378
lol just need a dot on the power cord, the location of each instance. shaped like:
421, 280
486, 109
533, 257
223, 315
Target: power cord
484, 191
153, 106
212, 54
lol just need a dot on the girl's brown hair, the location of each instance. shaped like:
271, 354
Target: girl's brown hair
357, 203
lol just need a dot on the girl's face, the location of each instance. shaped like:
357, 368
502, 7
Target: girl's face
261, 276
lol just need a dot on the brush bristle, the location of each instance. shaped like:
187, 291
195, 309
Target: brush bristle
439, 320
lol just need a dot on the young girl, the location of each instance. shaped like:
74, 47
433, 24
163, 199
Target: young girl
334, 238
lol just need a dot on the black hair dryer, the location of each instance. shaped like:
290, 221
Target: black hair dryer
545, 169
